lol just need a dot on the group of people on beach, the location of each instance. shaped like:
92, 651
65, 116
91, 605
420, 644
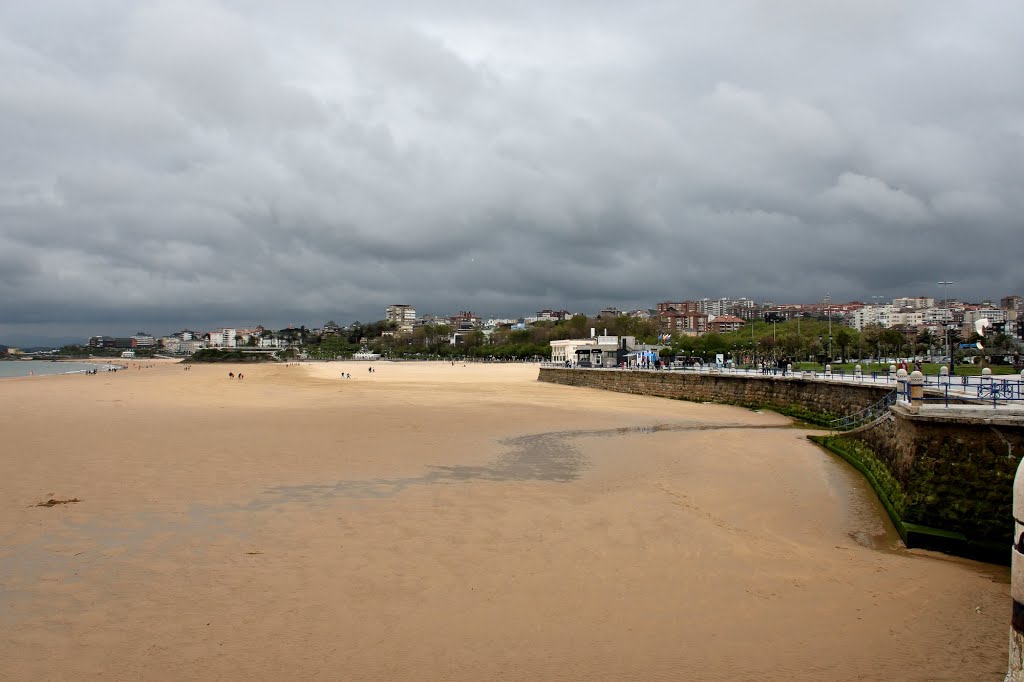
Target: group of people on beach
347, 375
231, 375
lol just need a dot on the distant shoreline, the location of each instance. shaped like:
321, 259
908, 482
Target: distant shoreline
51, 368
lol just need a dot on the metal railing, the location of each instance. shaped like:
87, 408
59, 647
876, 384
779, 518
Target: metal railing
869, 414
988, 391
953, 389
1001, 389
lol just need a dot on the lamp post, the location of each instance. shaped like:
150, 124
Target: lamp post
878, 353
829, 312
945, 326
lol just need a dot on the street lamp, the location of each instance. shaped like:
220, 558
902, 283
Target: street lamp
829, 312
945, 326
877, 299
945, 299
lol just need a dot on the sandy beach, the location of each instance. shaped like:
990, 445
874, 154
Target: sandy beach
430, 521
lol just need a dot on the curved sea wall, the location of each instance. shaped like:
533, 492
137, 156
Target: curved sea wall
816, 401
954, 471
946, 478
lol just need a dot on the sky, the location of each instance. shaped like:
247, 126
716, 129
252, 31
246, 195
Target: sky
198, 163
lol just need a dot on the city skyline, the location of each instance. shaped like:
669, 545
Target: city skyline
183, 163
761, 309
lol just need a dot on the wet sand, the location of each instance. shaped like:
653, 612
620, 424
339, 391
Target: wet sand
431, 522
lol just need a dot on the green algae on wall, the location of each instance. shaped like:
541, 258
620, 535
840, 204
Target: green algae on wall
889, 490
966, 488
942, 506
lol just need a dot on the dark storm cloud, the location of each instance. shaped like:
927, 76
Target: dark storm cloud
205, 161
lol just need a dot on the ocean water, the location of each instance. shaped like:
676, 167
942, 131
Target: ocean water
24, 368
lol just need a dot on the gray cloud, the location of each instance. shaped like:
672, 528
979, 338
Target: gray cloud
207, 161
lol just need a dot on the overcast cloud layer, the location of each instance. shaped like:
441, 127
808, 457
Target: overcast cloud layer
198, 162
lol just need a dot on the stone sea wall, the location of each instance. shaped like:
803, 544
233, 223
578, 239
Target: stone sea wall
956, 470
945, 478
816, 400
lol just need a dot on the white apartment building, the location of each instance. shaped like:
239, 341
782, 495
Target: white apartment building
991, 314
888, 316
893, 317
915, 302
934, 316
869, 314
223, 338
725, 305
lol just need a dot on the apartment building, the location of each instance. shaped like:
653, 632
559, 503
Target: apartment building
548, 314
682, 322
1014, 303
915, 302
725, 323
404, 316
223, 338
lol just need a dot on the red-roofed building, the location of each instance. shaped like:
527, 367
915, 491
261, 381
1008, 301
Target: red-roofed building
725, 323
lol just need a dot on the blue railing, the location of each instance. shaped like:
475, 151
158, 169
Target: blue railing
987, 391
1000, 389
952, 389
869, 414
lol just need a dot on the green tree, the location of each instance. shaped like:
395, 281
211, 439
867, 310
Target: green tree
842, 339
872, 335
892, 339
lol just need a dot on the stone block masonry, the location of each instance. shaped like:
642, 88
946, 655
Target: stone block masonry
804, 398
956, 472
